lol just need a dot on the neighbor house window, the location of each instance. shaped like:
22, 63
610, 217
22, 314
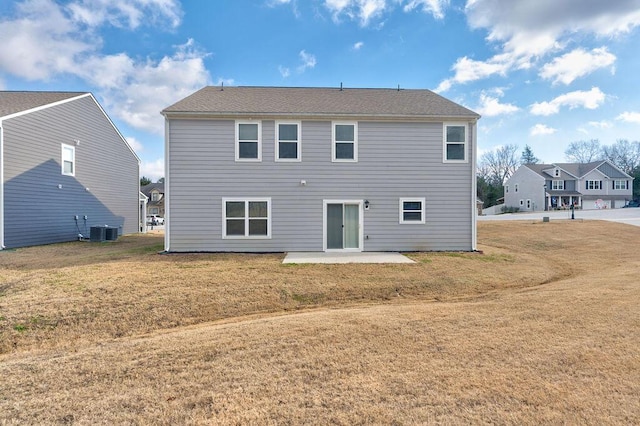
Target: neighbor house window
455, 142
412, 210
246, 218
288, 141
68, 160
556, 172
528, 204
515, 187
155, 196
344, 146
522, 202
248, 141
557, 185
154, 210
620, 184
506, 189
594, 184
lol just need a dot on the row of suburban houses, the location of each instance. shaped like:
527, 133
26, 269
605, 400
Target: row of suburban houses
269, 169
596, 185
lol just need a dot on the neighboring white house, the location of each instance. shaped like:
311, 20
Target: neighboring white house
596, 185
64, 167
273, 169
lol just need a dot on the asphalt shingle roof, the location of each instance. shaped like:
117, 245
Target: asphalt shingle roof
13, 102
313, 101
576, 169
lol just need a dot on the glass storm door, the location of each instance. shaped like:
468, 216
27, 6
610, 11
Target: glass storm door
343, 227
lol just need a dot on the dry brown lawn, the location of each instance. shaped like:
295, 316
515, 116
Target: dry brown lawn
542, 327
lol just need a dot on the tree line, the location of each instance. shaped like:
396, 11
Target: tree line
495, 167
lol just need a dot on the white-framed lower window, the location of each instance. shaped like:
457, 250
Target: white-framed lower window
412, 210
248, 141
68, 160
522, 202
593, 184
455, 142
528, 204
620, 184
246, 218
154, 210
516, 187
288, 141
557, 185
506, 189
344, 141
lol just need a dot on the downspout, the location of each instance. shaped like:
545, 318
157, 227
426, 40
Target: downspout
2, 247
167, 188
474, 189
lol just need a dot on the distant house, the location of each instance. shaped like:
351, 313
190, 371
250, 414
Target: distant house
155, 193
274, 169
596, 185
64, 167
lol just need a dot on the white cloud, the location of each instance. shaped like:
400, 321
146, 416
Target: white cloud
154, 170
577, 63
53, 40
126, 13
589, 100
629, 117
284, 71
368, 10
308, 61
600, 124
135, 144
358, 45
467, 70
434, 7
525, 31
541, 129
490, 106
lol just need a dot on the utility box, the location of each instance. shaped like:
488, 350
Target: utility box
97, 234
111, 233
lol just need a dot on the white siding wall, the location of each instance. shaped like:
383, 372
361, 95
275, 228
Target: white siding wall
395, 160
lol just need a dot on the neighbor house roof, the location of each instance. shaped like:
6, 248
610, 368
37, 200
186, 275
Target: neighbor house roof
576, 169
146, 190
313, 101
14, 102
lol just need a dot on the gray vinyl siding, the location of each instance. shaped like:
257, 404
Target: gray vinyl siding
395, 160
104, 188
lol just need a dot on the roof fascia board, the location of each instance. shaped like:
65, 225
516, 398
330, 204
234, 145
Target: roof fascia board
316, 116
41, 107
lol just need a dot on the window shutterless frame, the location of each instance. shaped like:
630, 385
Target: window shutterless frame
248, 140
288, 141
68, 160
412, 210
344, 141
246, 218
455, 140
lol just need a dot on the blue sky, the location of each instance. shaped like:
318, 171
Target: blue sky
543, 73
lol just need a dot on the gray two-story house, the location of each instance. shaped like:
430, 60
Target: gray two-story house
596, 185
273, 169
64, 167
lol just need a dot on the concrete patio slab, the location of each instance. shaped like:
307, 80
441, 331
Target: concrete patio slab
360, 257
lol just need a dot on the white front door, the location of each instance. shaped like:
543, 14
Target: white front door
342, 225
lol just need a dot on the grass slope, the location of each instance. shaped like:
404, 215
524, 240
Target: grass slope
543, 326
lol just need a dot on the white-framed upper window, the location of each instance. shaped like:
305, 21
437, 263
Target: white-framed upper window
528, 204
344, 141
455, 137
557, 185
68, 160
248, 141
288, 141
522, 202
412, 210
515, 187
556, 172
593, 184
620, 184
246, 218
155, 196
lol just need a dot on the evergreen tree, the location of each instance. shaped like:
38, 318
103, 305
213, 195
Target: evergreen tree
528, 157
144, 181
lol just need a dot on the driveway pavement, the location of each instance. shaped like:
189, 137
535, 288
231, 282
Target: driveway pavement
630, 216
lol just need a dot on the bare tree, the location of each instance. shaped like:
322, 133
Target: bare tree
624, 154
584, 151
498, 165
